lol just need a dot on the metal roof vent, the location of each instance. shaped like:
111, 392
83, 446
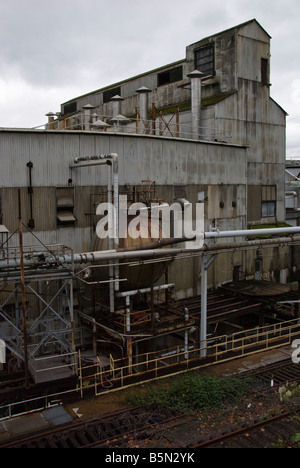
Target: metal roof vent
99, 124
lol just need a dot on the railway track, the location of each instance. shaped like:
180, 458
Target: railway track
274, 375
269, 433
105, 432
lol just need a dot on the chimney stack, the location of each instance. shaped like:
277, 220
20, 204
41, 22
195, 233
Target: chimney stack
116, 100
196, 80
143, 105
88, 108
51, 116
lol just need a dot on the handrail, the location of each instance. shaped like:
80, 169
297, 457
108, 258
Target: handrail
221, 349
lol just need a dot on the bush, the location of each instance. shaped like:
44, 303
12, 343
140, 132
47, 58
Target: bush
191, 392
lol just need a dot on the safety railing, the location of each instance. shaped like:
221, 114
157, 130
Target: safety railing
163, 127
151, 366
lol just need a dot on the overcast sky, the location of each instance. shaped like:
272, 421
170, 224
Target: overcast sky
52, 51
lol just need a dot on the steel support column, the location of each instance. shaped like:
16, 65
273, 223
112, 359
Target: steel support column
206, 263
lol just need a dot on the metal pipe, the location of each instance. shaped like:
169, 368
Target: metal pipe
97, 257
196, 98
128, 311
110, 242
143, 103
186, 333
24, 312
162, 287
251, 233
115, 170
293, 175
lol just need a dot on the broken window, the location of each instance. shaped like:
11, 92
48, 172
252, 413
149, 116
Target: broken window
205, 59
170, 76
65, 207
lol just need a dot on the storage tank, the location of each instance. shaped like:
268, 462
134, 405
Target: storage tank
138, 276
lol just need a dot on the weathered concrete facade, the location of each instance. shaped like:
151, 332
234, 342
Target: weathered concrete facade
236, 107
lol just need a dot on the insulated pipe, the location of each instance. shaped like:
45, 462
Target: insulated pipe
95, 257
251, 233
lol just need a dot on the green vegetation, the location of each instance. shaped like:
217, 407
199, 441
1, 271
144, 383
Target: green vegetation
191, 392
270, 226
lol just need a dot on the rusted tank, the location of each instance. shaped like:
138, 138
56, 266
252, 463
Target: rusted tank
137, 276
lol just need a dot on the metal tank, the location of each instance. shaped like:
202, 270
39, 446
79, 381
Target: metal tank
137, 276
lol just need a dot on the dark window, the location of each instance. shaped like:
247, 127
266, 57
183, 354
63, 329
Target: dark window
170, 76
70, 108
205, 59
265, 71
108, 95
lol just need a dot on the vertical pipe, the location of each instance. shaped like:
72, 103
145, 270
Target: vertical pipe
129, 354
143, 109
128, 311
152, 308
186, 333
196, 80
110, 240
23, 295
203, 323
115, 169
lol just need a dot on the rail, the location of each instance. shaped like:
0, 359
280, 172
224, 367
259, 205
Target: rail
161, 126
151, 366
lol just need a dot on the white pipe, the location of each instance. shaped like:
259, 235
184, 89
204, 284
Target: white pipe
196, 98
251, 233
293, 175
163, 287
96, 257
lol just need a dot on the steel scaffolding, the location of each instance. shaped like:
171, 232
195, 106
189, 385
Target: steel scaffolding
36, 312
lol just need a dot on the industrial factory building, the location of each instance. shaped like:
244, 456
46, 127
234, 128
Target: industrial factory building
203, 131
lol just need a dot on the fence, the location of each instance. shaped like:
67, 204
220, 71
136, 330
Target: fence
151, 366
161, 125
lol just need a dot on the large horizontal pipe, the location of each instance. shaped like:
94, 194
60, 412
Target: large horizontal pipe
115, 255
163, 287
252, 233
